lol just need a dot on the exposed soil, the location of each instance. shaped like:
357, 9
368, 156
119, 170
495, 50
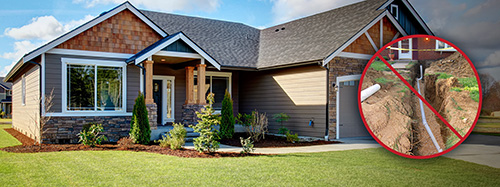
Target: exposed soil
28, 147
272, 141
393, 113
388, 112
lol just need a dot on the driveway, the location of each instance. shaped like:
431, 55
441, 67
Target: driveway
480, 149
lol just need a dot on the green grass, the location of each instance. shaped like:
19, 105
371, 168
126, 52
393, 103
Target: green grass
443, 75
380, 66
2, 120
383, 80
468, 84
6, 139
366, 167
489, 125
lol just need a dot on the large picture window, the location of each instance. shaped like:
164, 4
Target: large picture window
217, 83
93, 86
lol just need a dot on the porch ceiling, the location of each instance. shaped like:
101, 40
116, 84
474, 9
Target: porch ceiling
171, 60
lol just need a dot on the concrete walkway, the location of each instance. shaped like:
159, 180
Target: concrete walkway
480, 149
348, 144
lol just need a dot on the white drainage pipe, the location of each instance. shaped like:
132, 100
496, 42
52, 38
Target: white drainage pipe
424, 120
369, 91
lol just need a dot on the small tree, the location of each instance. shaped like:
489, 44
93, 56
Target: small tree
140, 131
280, 118
227, 117
207, 141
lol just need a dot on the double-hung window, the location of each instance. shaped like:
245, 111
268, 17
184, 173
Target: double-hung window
93, 85
444, 46
216, 83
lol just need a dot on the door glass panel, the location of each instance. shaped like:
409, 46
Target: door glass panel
169, 99
405, 44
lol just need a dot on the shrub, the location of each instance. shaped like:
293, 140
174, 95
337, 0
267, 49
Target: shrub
126, 142
283, 130
247, 145
280, 118
140, 131
255, 124
227, 117
244, 119
292, 137
207, 141
91, 136
174, 138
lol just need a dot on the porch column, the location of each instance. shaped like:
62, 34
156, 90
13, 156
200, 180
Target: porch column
190, 85
201, 83
148, 64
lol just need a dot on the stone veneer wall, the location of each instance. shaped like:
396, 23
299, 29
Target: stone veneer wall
65, 129
189, 114
340, 67
152, 115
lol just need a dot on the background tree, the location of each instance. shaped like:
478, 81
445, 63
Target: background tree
227, 117
140, 131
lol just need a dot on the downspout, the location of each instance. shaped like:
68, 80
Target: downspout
327, 102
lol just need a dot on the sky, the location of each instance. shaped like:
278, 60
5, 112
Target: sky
472, 26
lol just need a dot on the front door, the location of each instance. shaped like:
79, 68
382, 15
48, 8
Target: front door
158, 98
405, 47
163, 95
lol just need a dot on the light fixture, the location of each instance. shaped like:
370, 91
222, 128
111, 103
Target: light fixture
163, 60
427, 39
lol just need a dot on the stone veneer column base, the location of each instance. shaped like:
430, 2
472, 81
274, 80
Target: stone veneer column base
189, 113
152, 115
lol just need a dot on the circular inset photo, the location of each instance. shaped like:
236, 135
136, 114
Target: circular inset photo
419, 96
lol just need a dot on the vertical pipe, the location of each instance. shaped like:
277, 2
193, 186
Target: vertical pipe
424, 120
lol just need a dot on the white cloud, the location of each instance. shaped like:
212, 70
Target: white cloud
163, 5
44, 28
286, 10
20, 48
34, 34
492, 60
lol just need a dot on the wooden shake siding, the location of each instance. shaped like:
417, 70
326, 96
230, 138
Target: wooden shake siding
299, 92
26, 117
362, 44
53, 80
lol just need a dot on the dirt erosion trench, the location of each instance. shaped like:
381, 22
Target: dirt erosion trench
394, 114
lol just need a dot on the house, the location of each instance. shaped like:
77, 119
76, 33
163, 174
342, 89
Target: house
308, 68
421, 49
5, 98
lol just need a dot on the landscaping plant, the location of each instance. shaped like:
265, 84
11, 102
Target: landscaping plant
247, 145
174, 138
292, 137
207, 141
280, 118
227, 117
140, 131
91, 136
255, 124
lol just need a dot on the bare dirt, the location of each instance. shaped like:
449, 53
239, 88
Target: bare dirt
388, 112
455, 65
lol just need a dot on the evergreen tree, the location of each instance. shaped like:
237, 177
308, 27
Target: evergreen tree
140, 131
227, 117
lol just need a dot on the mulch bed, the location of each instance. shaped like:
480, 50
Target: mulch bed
272, 141
29, 147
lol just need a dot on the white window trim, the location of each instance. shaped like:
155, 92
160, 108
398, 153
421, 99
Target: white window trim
23, 90
108, 63
445, 46
164, 79
396, 15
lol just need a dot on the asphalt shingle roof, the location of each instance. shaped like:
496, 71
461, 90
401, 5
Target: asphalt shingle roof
307, 39
231, 44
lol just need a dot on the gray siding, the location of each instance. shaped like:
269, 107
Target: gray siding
53, 79
299, 92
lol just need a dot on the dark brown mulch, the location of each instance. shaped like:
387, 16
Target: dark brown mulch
25, 140
272, 141
28, 147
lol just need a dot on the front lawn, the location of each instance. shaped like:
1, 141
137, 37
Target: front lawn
368, 167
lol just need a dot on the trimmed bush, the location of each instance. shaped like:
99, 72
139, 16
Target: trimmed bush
227, 117
140, 131
175, 137
207, 141
91, 136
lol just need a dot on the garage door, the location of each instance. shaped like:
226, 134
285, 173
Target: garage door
350, 123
